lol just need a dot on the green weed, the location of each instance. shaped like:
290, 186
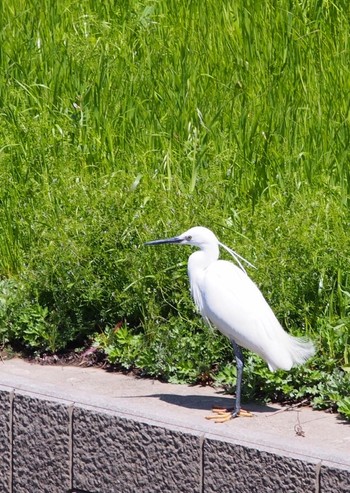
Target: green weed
124, 122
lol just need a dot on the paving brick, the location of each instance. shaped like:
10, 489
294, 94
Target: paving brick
41, 452
5, 446
231, 468
113, 455
334, 479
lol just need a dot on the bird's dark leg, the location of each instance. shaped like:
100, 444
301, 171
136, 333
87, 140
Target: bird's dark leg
224, 414
240, 364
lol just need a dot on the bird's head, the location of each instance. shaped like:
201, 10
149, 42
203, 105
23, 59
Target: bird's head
204, 239
198, 236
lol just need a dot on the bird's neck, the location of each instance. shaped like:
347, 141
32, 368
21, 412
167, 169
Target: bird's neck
201, 259
197, 265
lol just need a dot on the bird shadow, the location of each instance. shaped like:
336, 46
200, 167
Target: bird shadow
205, 403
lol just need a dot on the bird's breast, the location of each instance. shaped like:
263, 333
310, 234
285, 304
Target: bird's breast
196, 277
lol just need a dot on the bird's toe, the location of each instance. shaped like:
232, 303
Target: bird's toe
220, 417
223, 414
245, 414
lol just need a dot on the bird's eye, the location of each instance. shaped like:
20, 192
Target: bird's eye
189, 238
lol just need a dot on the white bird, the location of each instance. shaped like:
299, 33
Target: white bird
231, 301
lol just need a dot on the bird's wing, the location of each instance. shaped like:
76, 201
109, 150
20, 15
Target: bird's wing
235, 305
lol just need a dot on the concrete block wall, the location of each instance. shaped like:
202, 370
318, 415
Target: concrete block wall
51, 445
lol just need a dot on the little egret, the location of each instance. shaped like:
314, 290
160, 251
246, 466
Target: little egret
226, 297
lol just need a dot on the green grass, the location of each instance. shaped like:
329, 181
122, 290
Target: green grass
126, 121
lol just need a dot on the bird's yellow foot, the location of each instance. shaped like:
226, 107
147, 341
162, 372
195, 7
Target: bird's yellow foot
220, 417
222, 414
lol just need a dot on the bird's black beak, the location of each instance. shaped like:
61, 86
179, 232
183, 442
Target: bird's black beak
175, 239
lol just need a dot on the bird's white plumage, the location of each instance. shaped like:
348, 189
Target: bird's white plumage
228, 298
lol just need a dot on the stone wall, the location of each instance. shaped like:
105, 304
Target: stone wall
52, 445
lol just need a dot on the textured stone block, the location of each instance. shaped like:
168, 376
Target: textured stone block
114, 455
41, 446
334, 480
5, 441
231, 468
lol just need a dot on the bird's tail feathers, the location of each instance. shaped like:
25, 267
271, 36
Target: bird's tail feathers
299, 351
